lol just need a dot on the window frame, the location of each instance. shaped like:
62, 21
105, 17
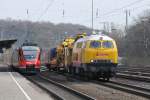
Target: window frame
79, 45
100, 44
112, 44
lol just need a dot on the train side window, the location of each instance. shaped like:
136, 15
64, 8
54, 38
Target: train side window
84, 45
79, 45
107, 44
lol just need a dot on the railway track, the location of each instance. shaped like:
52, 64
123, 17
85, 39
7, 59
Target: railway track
135, 73
127, 88
133, 77
58, 90
143, 69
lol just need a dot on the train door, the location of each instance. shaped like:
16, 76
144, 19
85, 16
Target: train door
20, 58
83, 52
79, 53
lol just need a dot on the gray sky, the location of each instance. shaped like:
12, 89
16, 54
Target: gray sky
76, 11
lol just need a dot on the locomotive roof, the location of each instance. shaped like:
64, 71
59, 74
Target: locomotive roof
29, 44
30, 48
95, 37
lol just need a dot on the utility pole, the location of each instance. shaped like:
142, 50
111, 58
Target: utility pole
145, 38
1, 34
92, 15
104, 25
127, 15
27, 33
63, 13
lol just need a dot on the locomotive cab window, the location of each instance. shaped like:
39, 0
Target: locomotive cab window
95, 44
30, 55
107, 44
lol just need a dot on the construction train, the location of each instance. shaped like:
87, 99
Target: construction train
93, 56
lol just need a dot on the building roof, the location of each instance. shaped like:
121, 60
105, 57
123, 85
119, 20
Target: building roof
7, 43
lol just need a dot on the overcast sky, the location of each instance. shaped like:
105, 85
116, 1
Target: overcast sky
75, 11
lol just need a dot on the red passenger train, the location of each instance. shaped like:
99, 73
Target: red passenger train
26, 59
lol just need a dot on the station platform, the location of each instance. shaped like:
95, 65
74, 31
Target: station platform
14, 86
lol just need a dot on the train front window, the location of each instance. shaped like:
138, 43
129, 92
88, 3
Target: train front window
30, 55
95, 44
107, 44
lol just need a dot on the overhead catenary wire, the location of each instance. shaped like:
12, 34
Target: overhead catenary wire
118, 13
97, 14
121, 8
46, 9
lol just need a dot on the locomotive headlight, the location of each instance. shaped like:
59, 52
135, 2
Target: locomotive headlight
111, 61
92, 61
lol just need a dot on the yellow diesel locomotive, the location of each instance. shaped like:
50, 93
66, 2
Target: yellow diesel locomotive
95, 56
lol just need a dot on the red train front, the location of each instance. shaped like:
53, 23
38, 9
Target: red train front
27, 59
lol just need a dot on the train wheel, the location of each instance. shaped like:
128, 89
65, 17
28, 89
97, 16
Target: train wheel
49, 67
73, 70
107, 79
106, 76
85, 76
88, 76
67, 70
57, 69
95, 76
104, 79
70, 70
81, 72
77, 70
